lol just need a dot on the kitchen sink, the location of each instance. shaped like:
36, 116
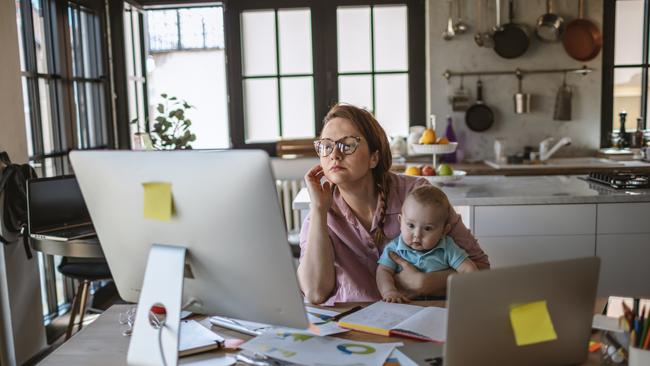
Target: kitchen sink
563, 163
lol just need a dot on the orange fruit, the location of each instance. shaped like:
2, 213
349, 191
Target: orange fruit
443, 141
412, 170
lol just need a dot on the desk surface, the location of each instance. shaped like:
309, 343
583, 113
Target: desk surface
79, 248
102, 343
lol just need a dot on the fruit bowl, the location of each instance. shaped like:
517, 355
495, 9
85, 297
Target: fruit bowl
435, 148
441, 179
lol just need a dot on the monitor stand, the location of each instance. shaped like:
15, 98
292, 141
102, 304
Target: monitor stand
162, 285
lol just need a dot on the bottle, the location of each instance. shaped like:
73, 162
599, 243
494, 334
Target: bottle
451, 136
623, 139
637, 140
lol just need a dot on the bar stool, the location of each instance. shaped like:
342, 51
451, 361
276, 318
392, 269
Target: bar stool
85, 271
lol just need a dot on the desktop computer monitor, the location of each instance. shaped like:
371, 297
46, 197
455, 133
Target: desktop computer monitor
226, 213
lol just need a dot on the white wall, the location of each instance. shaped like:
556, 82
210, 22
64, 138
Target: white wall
462, 54
22, 334
199, 77
12, 123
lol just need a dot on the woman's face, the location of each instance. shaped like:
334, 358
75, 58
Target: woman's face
340, 168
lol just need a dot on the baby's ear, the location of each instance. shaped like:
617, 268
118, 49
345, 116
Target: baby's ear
399, 218
447, 229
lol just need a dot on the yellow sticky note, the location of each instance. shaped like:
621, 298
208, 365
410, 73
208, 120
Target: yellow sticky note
157, 201
532, 323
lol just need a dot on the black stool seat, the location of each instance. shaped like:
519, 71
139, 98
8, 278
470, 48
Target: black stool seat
85, 270
91, 271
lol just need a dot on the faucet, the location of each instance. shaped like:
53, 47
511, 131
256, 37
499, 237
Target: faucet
544, 151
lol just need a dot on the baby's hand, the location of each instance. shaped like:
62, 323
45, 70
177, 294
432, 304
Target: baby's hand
396, 296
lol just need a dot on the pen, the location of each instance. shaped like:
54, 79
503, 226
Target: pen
346, 313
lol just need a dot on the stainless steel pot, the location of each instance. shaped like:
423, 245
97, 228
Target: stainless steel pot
522, 100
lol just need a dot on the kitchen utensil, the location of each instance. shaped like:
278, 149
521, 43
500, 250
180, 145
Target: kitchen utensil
550, 26
460, 100
562, 110
483, 38
479, 117
582, 39
511, 39
522, 100
478, 36
460, 27
449, 33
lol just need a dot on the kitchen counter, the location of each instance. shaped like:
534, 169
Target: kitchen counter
535, 190
480, 168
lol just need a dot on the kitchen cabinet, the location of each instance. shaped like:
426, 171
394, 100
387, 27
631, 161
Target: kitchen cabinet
506, 251
623, 245
523, 234
616, 232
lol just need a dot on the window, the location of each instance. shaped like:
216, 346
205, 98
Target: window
65, 83
135, 74
189, 41
289, 61
625, 64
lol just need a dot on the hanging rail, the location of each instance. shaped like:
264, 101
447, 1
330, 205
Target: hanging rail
584, 70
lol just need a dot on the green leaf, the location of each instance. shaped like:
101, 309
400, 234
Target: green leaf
164, 95
160, 108
172, 98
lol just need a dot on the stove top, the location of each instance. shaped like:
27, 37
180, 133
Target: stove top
621, 180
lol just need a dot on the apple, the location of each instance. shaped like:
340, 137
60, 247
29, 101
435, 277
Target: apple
445, 169
428, 170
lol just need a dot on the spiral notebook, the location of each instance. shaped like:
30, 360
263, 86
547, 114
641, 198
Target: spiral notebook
404, 320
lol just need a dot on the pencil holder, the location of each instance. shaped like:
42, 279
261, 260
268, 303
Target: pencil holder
638, 357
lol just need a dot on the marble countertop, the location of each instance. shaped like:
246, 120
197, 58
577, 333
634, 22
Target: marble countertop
537, 190
525, 190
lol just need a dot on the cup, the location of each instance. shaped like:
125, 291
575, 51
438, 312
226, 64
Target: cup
638, 357
499, 151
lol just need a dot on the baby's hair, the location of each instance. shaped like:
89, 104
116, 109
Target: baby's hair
431, 196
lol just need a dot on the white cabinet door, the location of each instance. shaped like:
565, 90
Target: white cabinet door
535, 220
625, 264
504, 251
623, 218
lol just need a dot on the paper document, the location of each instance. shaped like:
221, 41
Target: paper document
307, 349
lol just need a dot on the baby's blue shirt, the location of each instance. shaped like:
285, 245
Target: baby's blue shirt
447, 254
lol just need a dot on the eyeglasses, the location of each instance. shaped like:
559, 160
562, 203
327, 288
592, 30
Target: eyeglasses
346, 145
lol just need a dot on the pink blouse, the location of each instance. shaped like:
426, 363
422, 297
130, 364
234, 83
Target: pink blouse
355, 251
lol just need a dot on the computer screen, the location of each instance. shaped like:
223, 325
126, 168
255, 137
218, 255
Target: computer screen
226, 212
55, 202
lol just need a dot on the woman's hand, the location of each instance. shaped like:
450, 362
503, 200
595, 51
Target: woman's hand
319, 194
410, 280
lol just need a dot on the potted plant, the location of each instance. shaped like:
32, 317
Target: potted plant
171, 127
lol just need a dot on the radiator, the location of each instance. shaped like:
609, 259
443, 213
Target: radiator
287, 191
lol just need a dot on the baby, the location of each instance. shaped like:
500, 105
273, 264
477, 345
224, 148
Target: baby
423, 241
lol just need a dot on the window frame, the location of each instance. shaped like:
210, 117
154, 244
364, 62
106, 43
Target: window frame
325, 63
609, 66
61, 111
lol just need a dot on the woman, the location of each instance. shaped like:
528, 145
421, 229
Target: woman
354, 213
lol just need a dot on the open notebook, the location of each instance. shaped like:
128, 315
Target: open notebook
389, 319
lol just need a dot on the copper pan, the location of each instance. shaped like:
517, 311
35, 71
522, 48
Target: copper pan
582, 39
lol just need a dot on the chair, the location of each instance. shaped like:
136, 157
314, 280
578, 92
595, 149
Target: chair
85, 271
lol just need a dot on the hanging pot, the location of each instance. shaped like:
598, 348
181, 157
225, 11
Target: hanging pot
511, 40
479, 117
582, 39
550, 26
